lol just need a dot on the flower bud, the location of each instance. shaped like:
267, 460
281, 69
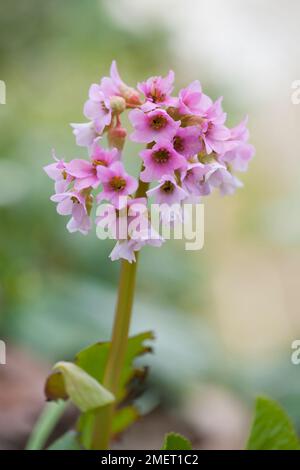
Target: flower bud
191, 120
84, 391
117, 104
89, 203
130, 95
174, 113
116, 137
206, 159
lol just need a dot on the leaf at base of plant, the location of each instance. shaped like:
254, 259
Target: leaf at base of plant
272, 429
174, 441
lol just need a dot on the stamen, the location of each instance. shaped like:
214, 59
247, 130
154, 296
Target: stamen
117, 183
161, 156
178, 143
168, 187
99, 162
156, 95
103, 107
158, 122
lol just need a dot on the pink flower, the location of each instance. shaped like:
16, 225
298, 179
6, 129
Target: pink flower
219, 177
189, 152
57, 172
160, 160
193, 180
139, 231
187, 141
168, 191
239, 157
152, 126
102, 157
191, 100
118, 223
116, 184
215, 134
73, 203
243, 152
157, 90
114, 86
85, 133
86, 173
97, 108
126, 249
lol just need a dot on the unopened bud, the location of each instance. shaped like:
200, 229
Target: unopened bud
89, 203
117, 104
191, 120
130, 95
83, 389
116, 137
174, 113
206, 159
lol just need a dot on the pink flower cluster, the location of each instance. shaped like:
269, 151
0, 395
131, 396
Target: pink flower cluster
188, 152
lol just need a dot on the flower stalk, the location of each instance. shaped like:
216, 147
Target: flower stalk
116, 356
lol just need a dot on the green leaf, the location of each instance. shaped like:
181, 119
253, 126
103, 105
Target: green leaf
174, 441
84, 391
88, 369
124, 418
272, 429
67, 441
93, 359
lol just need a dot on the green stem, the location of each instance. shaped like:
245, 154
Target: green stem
116, 356
45, 425
121, 326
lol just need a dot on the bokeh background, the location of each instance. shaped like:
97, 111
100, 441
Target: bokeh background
224, 317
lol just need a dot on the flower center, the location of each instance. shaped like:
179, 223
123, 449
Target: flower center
158, 122
178, 143
168, 187
99, 162
161, 156
103, 107
117, 183
156, 95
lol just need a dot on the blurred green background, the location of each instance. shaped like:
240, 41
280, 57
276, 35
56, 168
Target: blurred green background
224, 317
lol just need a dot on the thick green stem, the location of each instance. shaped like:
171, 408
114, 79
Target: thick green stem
121, 326
116, 357
113, 370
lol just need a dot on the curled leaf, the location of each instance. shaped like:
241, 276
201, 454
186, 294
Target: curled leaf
84, 391
55, 387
